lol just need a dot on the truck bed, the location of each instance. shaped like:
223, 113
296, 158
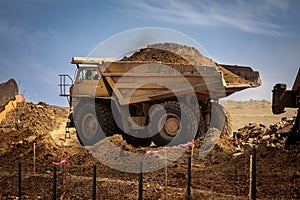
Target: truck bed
134, 81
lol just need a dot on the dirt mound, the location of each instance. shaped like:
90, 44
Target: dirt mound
28, 124
192, 55
196, 58
181, 54
157, 55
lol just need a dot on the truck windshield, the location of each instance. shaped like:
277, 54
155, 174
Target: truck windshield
88, 74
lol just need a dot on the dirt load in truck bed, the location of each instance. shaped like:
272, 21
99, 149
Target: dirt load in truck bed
181, 54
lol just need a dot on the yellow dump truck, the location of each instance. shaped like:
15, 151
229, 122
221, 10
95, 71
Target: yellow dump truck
167, 103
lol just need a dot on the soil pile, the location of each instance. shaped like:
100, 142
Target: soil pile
192, 55
27, 124
156, 55
182, 54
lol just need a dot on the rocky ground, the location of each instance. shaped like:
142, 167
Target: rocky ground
222, 174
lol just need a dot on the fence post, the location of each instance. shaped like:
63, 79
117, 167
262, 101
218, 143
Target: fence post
189, 177
20, 180
54, 182
34, 159
94, 182
141, 181
254, 174
252, 186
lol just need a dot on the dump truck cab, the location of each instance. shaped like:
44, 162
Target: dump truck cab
88, 84
88, 81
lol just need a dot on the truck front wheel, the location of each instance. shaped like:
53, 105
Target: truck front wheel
220, 118
88, 129
93, 122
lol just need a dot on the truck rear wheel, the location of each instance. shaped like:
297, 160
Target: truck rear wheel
220, 118
172, 125
93, 122
201, 123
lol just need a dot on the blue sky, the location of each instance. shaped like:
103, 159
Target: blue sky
39, 37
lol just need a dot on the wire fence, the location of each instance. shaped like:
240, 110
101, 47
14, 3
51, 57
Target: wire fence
63, 181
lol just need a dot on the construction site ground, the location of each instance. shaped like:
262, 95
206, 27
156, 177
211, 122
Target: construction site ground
39, 129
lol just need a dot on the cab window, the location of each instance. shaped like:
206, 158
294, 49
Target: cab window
95, 75
88, 74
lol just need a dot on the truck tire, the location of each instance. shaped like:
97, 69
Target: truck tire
93, 122
108, 125
177, 129
220, 118
201, 124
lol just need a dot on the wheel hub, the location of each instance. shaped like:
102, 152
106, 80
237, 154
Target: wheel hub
172, 126
90, 126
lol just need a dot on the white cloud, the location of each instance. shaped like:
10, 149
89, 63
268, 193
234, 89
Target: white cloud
253, 17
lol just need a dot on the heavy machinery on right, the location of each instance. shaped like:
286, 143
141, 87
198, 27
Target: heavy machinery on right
283, 98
